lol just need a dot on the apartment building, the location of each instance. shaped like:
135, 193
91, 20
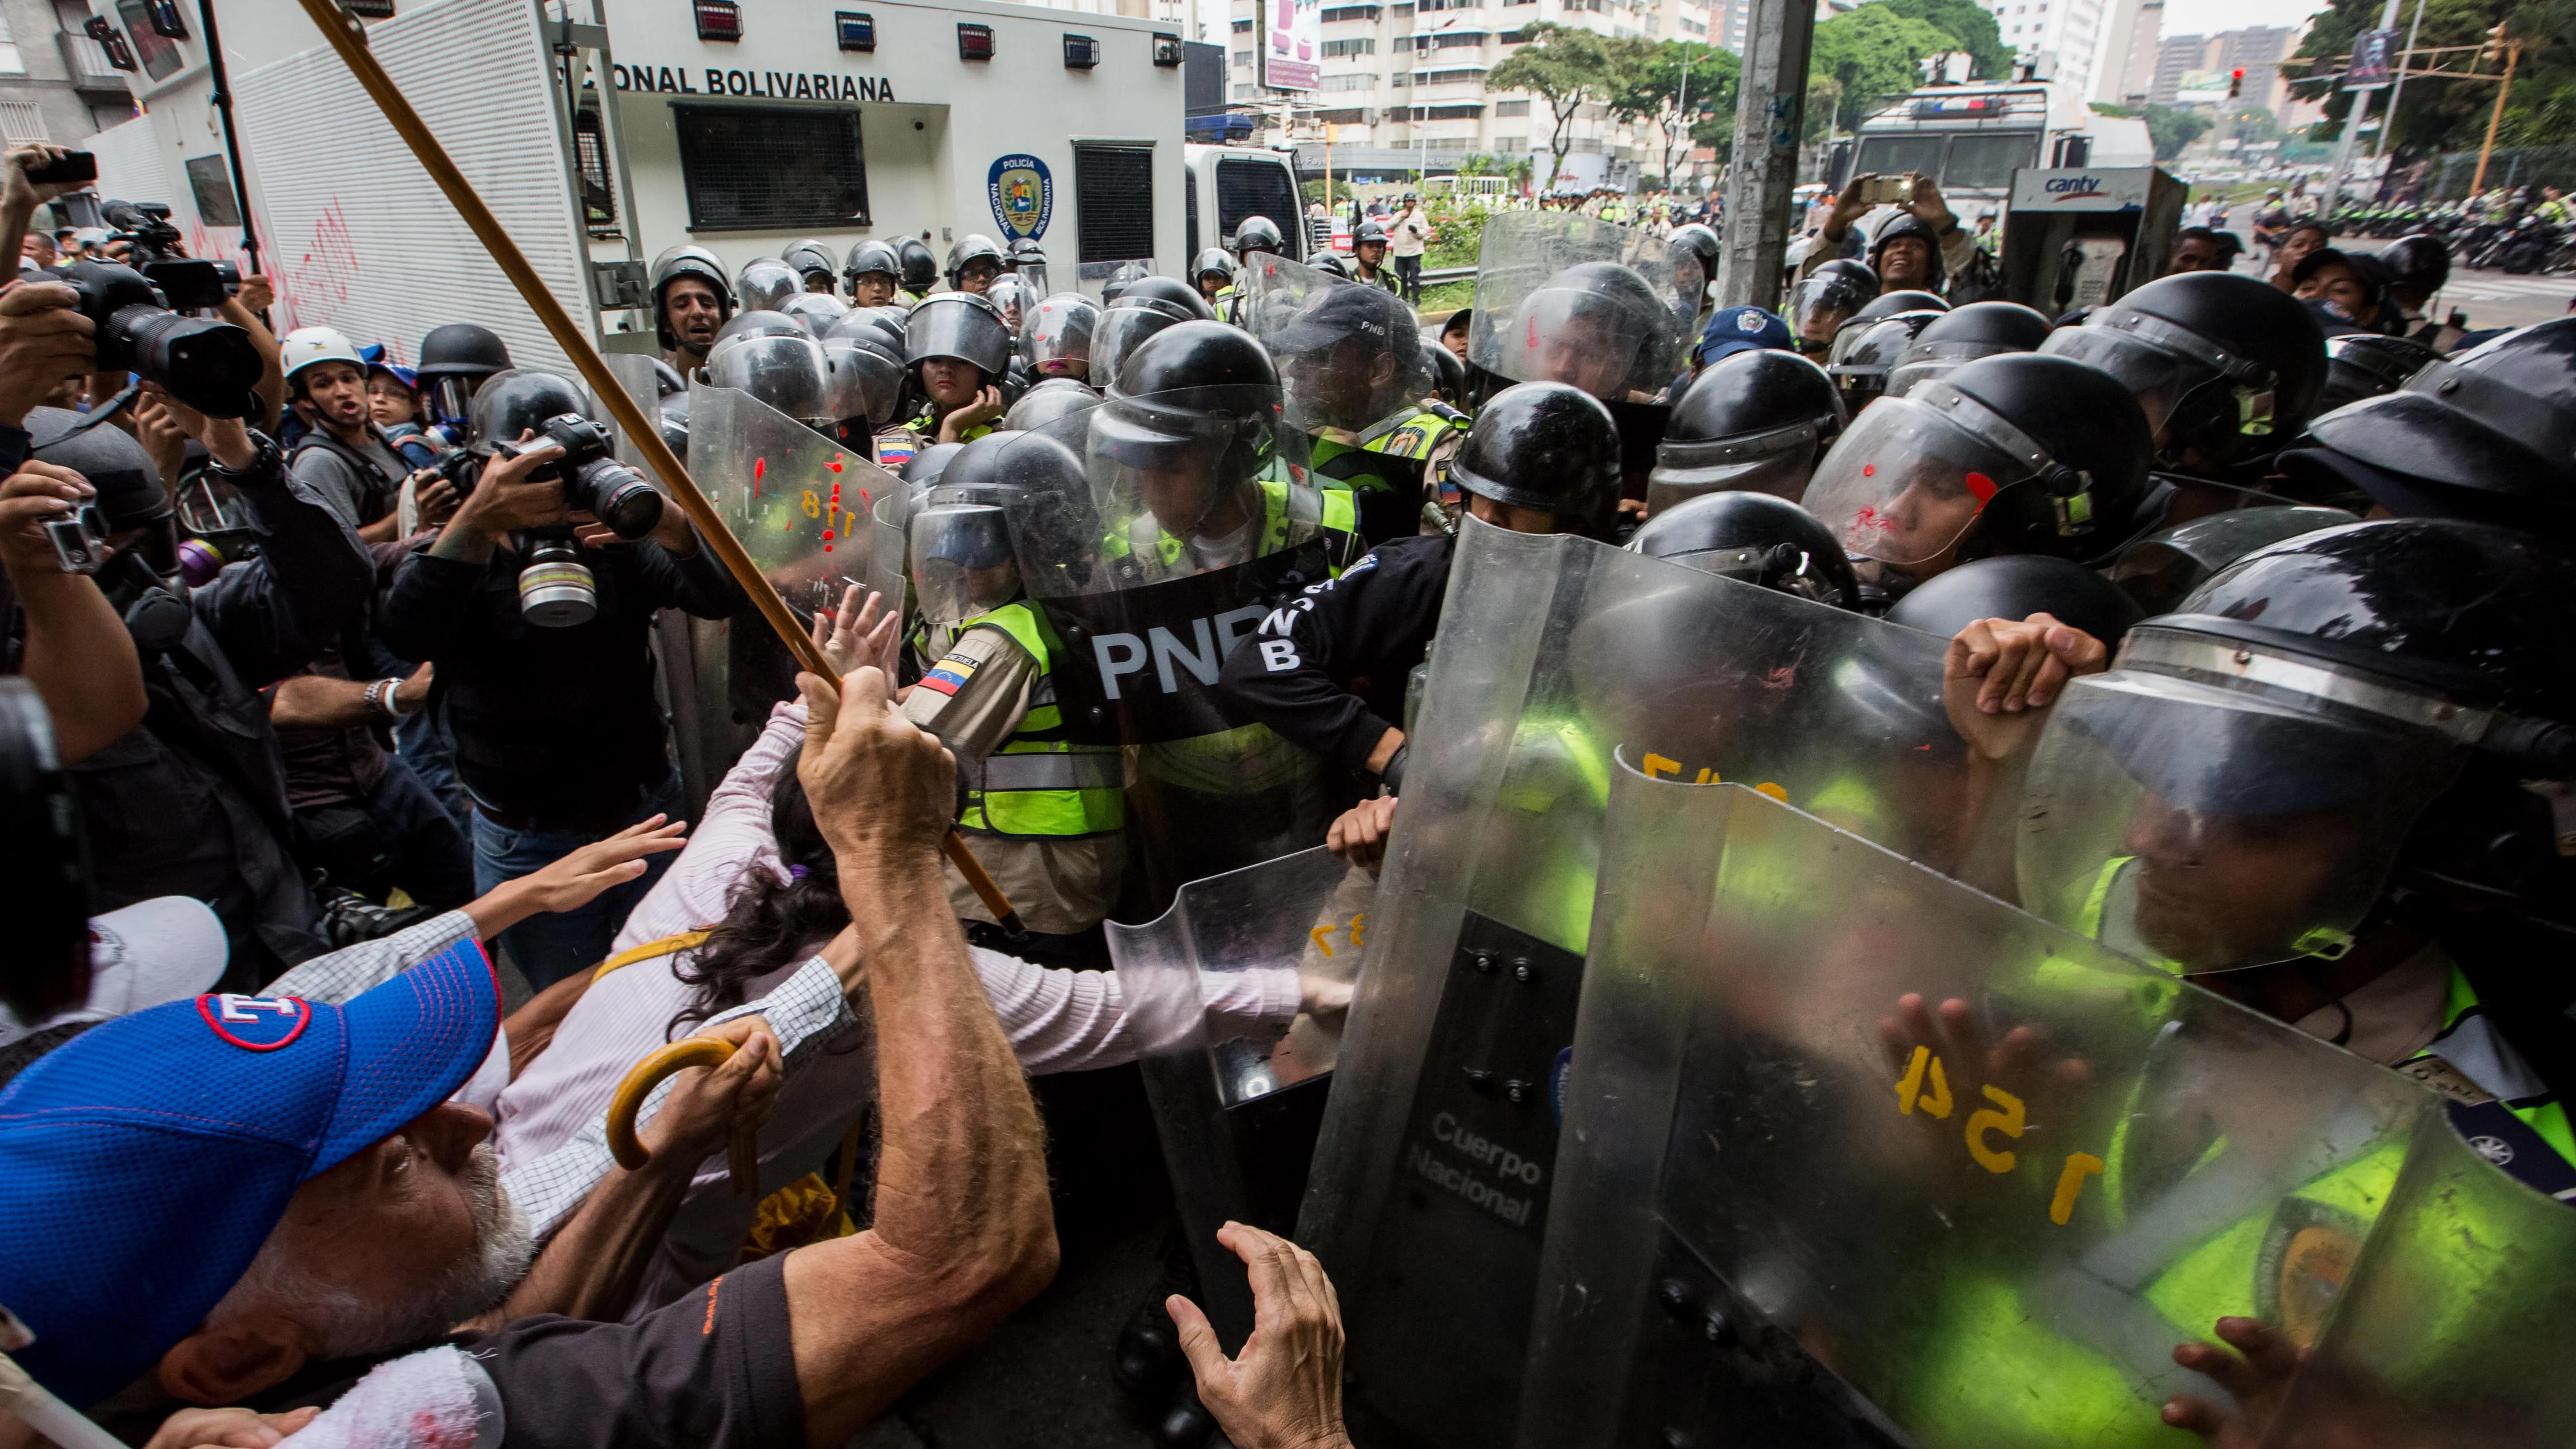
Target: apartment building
2128, 71
2064, 38
2195, 69
56, 83
1404, 83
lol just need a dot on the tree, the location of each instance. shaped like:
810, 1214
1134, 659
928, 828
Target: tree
1872, 53
2437, 115
1969, 24
2170, 127
1567, 67
1650, 89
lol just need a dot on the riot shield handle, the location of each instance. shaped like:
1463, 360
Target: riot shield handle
742, 1153
349, 38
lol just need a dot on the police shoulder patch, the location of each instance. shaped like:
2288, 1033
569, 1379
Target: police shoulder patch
950, 674
255, 1023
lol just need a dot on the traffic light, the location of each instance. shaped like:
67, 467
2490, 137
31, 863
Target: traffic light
2236, 83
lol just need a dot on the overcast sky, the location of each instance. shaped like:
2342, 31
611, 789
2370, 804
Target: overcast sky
2208, 17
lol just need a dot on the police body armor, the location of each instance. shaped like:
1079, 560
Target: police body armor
1430, 1191
1199, 515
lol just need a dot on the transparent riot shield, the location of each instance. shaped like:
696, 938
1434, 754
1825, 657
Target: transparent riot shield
795, 498
1430, 1189
2457, 1329
1563, 297
1237, 1102
1861, 1156
889, 560
1351, 357
1199, 516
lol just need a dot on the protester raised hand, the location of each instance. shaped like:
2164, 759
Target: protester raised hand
1284, 1390
578, 877
858, 634
2000, 674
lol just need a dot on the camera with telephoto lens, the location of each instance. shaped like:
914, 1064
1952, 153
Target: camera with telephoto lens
555, 587
209, 365
152, 248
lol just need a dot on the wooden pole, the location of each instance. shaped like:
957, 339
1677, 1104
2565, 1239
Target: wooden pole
349, 38
2495, 118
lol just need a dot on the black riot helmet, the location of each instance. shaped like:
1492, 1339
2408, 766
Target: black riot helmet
812, 261
765, 284
1048, 403
1543, 445
1258, 234
1692, 244
1907, 224
1825, 299
1903, 300
1754, 537
1755, 421
972, 247
1193, 388
454, 360
1213, 261
2417, 266
1448, 375
961, 325
2227, 366
516, 401
2164, 566
2368, 699
920, 268
1867, 353
872, 256
2486, 433
1335, 263
1000, 463
2016, 586
1980, 329
2024, 453
924, 469
696, 263
1369, 231
2367, 364
1142, 308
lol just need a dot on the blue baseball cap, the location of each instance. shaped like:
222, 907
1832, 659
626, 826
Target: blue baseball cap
1741, 329
144, 1162
373, 355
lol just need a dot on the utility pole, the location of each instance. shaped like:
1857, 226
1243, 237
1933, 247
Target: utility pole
2397, 85
1771, 107
2352, 119
2512, 53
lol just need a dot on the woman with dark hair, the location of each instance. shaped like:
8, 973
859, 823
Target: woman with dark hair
753, 900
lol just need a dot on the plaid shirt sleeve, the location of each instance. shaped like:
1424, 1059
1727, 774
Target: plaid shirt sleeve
341, 975
805, 1011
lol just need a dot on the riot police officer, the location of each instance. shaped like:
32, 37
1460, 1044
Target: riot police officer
1755, 537
765, 284
1142, 308
2227, 368
813, 262
1257, 234
1056, 336
1353, 362
1368, 258
2023, 453
690, 301
1046, 814
1048, 403
1980, 329
1694, 250
920, 271
1027, 259
1758, 421
2367, 364
973, 263
2482, 434
1867, 351
867, 385
957, 348
2417, 267
875, 274
1213, 273
1824, 299
1328, 671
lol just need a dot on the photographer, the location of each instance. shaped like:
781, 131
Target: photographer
191, 801
559, 738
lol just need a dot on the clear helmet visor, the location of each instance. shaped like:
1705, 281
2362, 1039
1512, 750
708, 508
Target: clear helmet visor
1923, 362
864, 383
2213, 827
1178, 484
1580, 339
1056, 335
1776, 463
790, 374
2160, 380
1819, 306
1906, 483
815, 311
963, 563
1120, 331
1011, 294
765, 286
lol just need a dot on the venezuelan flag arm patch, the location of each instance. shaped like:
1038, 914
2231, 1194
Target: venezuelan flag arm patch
949, 675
